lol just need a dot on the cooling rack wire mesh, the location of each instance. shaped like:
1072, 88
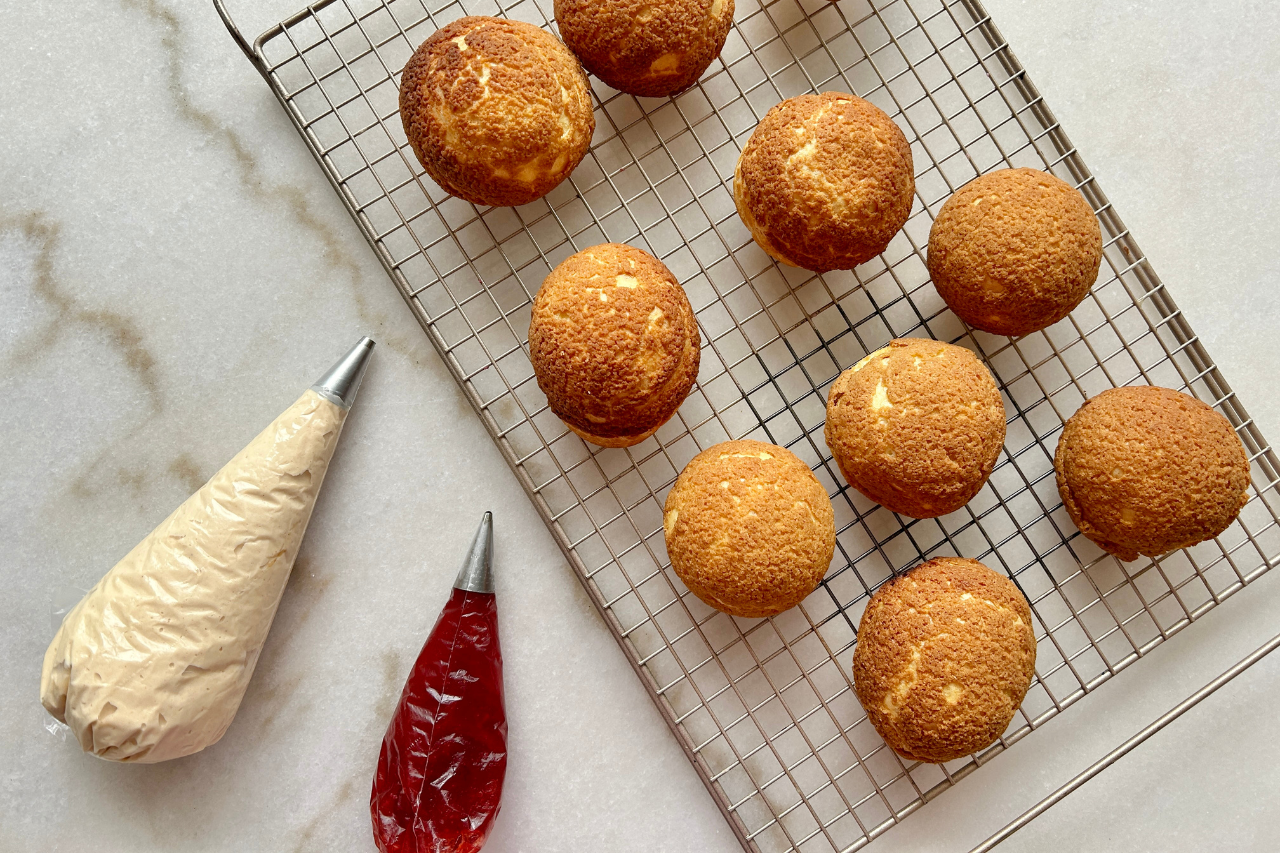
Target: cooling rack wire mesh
765, 708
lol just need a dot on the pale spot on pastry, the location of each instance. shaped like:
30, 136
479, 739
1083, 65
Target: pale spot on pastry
529, 172
668, 63
895, 698
669, 521
630, 282
880, 399
867, 359
805, 152
952, 693
808, 508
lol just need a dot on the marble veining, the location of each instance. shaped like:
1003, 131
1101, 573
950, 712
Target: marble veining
335, 252
174, 270
42, 231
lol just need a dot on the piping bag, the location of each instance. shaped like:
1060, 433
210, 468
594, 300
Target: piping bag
439, 779
154, 660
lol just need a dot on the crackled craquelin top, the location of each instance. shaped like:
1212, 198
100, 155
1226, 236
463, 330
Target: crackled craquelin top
497, 111
614, 343
749, 529
916, 426
1014, 251
1145, 470
651, 48
945, 655
825, 182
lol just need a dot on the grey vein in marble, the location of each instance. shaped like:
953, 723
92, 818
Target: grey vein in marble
162, 221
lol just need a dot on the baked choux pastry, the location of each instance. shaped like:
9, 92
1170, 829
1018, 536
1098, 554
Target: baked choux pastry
614, 344
749, 528
497, 111
651, 48
945, 655
1148, 470
916, 426
825, 182
1014, 251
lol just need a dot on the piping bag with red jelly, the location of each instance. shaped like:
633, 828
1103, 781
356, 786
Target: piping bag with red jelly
439, 780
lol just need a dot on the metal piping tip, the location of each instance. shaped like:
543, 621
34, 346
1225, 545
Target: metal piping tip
477, 570
341, 382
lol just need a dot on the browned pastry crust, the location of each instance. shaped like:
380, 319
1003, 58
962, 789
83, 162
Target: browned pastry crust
916, 426
945, 655
1014, 251
825, 181
498, 111
1148, 470
614, 343
749, 528
651, 48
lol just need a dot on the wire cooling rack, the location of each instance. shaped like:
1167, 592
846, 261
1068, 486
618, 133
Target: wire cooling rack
765, 709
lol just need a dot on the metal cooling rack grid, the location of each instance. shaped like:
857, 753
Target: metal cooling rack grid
765, 709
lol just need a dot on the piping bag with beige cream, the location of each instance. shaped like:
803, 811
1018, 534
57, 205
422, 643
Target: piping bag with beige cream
154, 660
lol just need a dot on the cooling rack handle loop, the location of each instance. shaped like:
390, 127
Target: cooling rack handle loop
235, 31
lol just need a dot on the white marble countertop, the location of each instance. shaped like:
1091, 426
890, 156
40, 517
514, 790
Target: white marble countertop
174, 270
